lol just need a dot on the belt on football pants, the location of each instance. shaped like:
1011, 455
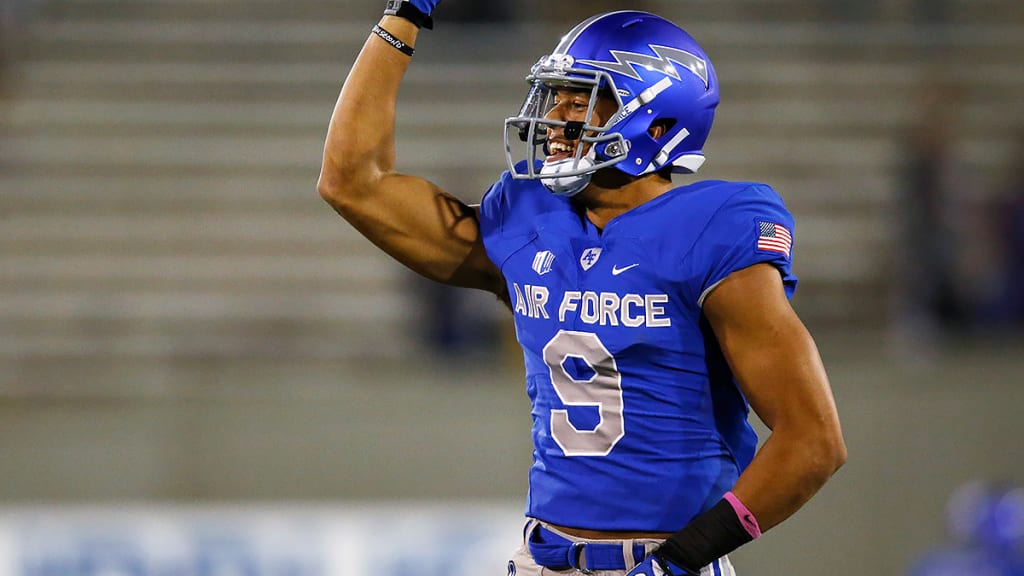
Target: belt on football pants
552, 550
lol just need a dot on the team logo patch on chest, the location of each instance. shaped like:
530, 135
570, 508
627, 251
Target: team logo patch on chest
589, 257
542, 262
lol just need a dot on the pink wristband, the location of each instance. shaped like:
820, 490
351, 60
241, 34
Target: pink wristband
745, 516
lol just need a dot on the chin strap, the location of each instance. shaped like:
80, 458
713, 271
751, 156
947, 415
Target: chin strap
567, 185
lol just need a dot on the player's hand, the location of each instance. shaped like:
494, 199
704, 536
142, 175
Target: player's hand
415, 11
424, 6
653, 565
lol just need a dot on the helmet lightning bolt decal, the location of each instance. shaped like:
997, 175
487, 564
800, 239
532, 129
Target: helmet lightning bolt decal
626, 63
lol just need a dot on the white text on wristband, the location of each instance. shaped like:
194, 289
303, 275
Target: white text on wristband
390, 39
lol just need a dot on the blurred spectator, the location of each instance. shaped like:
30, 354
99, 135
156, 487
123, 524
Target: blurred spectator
930, 238
456, 323
986, 522
1009, 218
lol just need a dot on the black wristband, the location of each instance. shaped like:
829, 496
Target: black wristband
405, 9
390, 39
706, 538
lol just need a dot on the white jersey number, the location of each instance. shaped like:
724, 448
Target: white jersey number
603, 390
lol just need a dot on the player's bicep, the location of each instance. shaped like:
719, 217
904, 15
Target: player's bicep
425, 228
769, 350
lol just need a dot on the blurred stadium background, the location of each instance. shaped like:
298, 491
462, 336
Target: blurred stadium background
204, 371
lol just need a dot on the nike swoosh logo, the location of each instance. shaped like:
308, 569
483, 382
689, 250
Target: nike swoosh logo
616, 270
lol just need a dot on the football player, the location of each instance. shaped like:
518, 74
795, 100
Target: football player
651, 315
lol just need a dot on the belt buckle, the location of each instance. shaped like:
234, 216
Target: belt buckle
575, 554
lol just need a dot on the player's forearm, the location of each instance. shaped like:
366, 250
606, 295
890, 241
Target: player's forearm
788, 470
787, 386
791, 466
360, 140
806, 445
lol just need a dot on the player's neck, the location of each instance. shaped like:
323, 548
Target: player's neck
612, 193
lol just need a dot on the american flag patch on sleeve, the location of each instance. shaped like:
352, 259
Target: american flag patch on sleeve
774, 238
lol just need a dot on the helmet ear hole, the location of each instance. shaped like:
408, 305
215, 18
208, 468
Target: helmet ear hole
660, 127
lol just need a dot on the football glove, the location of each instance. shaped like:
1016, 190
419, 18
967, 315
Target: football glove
654, 565
416, 11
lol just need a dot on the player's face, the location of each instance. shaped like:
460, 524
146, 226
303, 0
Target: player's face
571, 105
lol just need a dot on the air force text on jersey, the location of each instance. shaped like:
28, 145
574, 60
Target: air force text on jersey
600, 308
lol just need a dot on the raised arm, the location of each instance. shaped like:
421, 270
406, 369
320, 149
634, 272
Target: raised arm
411, 219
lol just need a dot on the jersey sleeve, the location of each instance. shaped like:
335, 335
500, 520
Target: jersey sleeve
507, 215
751, 227
493, 206
509, 212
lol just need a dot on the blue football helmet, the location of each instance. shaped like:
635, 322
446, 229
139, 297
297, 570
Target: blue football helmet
654, 71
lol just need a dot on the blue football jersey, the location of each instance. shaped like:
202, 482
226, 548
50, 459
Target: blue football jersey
638, 423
